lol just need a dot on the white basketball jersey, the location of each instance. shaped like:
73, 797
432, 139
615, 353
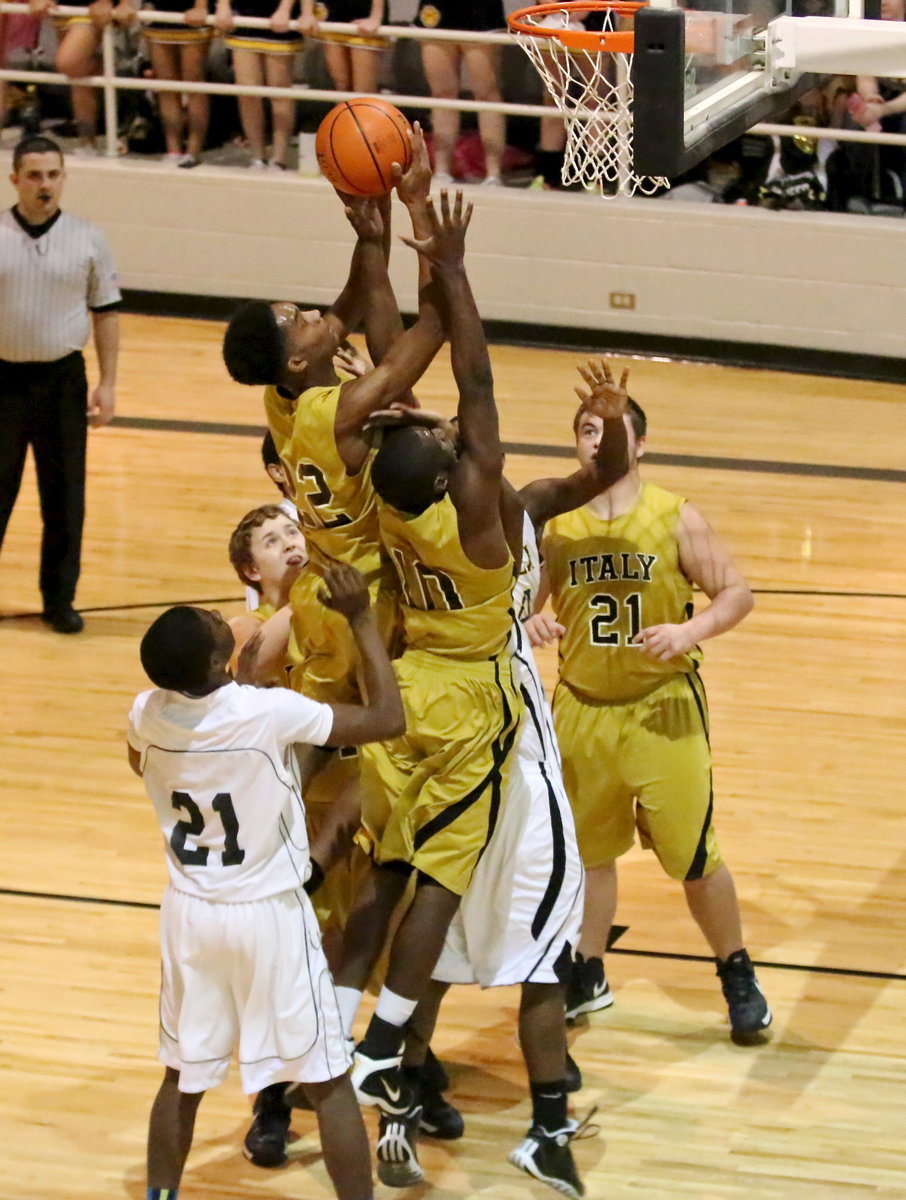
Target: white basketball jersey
537, 743
216, 770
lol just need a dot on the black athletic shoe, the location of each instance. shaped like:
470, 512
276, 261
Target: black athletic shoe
750, 1015
433, 1072
588, 989
379, 1083
573, 1075
439, 1118
397, 1160
547, 1156
265, 1142
63, 619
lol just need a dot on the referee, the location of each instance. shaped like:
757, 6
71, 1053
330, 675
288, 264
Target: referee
57, 282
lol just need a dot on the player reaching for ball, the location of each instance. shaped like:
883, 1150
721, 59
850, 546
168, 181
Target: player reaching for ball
315, 416
311, 413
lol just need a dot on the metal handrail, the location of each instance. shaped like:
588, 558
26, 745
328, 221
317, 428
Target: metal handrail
110, 83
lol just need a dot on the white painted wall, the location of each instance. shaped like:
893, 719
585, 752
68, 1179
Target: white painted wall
823, 281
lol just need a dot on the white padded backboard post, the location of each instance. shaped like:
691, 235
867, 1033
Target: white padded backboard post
836, 46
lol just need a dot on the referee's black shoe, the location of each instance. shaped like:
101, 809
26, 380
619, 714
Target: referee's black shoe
63, 618
265, 1142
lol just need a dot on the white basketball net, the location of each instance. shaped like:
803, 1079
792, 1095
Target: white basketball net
593, 90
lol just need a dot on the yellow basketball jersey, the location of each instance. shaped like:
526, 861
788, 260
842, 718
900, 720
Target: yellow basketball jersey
449, 605
293, 658
609, 579
337, 511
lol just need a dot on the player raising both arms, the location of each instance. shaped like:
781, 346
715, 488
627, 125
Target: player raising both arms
431, 798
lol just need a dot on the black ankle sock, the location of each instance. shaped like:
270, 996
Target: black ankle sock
549, 164
549, 1105
382, 1040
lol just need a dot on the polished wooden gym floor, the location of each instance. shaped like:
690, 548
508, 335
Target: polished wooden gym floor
804, 479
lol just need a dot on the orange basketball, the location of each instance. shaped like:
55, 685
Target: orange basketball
358, 142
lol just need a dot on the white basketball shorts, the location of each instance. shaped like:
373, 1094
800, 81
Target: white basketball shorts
249, 977
521, 918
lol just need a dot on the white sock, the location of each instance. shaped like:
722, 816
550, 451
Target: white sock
394, 1009
349, 1000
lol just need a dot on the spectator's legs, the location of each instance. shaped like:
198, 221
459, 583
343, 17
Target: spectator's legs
551, 144
2, 63
76, 57
483, 66
249, 68
279, 73
365, 66
170, 1132
442, 63
344, 1142
165, 64
193, 60
339, 65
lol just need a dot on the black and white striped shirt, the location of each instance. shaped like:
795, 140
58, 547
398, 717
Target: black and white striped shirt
51, 278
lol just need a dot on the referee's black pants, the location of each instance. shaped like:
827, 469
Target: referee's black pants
44, 405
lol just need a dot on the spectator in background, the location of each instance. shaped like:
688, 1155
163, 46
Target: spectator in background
870, 174
353, 59
181, 52
263, 57
77, 57
2, 64
443, 63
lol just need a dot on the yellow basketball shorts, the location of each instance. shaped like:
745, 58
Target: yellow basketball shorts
333, 900
646, 765
329, 665
431, 798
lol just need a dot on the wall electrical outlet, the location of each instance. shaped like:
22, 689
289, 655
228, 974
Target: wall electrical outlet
622, 299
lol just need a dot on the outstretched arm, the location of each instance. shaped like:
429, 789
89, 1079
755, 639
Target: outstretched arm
547, 498
475, 481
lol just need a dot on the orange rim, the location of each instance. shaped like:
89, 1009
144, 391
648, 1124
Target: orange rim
614, 42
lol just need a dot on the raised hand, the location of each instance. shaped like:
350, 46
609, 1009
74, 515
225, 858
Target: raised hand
345, 591
447, 243
414, 186
348, 359
602, 396
364, 215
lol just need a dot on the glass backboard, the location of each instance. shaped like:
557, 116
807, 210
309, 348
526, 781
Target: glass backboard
700, 78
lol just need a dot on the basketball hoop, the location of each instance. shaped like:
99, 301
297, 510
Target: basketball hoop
588, 72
